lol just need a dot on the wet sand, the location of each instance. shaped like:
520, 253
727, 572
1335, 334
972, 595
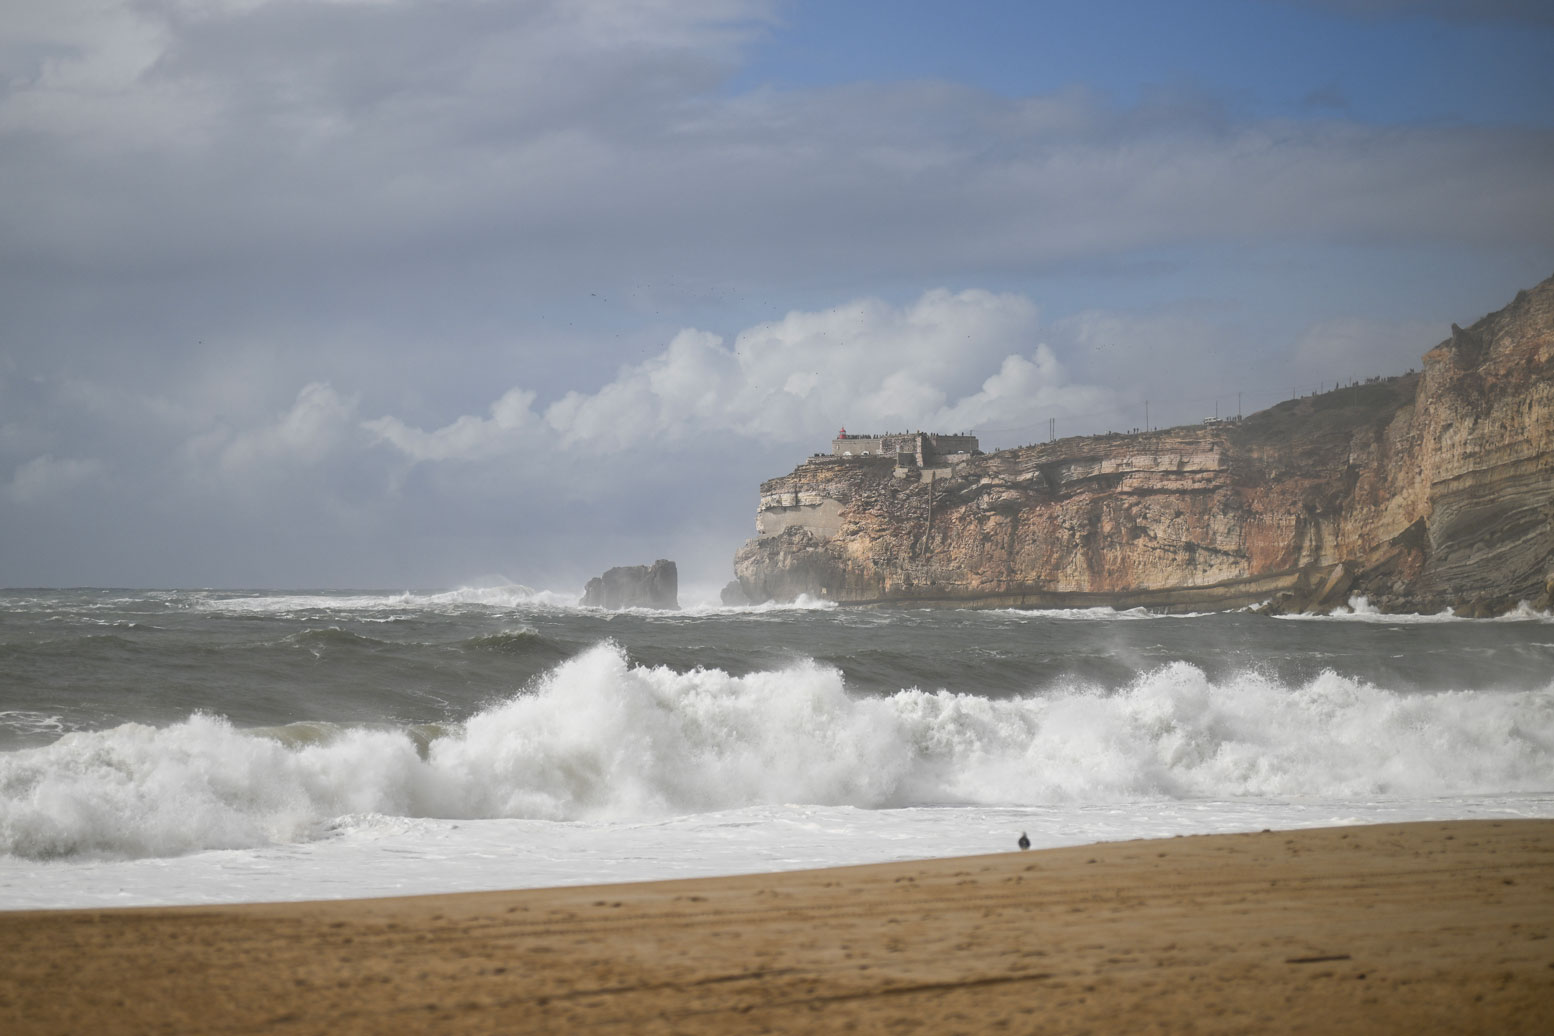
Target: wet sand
1440, 927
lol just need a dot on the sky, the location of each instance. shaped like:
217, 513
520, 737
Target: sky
409, 294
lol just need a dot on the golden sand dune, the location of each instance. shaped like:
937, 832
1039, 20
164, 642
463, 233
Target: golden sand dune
1440, 927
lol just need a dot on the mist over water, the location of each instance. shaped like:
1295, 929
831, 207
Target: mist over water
148, 725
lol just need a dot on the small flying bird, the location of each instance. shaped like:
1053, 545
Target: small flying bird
1024, 843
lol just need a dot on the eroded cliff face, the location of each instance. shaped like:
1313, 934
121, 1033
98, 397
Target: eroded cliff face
1421, 492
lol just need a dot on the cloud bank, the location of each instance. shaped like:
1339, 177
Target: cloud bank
572, 138
401, 291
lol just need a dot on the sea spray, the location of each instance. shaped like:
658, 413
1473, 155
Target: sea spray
599, 738
136, 790
1360, 609
505, 597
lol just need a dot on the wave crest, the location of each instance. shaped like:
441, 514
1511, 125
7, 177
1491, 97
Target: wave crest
599, 738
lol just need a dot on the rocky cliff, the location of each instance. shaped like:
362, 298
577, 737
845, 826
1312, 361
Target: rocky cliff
1421, 492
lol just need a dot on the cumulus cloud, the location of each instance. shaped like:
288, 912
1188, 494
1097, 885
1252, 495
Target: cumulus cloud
1025, 388
467, 438
948, 360
314, 427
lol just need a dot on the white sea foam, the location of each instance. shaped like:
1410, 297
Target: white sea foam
1360, 609
1090, 614
499, 598
599, 740
802, 603
377, 855
31, 722
496, 598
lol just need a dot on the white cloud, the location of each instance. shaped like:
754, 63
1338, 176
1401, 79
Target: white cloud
44, 477
466, 438
947, 359
681, 388
315, 426
82, 69
1023, 390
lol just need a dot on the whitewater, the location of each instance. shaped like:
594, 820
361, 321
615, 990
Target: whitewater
203, 746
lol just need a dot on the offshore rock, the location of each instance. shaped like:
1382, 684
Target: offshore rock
635, 586
1422, 492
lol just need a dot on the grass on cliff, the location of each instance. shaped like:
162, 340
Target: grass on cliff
1338, 411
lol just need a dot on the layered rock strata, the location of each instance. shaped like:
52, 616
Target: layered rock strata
1421, 492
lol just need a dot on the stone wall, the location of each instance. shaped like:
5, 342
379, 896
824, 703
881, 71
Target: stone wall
920, 448
873, 445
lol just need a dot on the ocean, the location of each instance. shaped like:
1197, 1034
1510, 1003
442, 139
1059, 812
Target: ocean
168, 747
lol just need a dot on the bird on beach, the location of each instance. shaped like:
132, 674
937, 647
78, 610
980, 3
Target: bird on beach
1024, 843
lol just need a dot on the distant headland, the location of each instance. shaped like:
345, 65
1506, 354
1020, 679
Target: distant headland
1420, 492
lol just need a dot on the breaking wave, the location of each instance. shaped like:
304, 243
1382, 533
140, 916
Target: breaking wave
599, 738
1360, 609
507, 597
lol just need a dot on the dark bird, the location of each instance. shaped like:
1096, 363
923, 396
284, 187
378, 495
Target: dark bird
1024, 843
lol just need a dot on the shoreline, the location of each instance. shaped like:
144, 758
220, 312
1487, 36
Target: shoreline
1446, 926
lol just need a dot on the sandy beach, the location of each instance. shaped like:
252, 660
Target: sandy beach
1441, 927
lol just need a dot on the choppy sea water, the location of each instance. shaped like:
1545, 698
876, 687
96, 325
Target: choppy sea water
204, 746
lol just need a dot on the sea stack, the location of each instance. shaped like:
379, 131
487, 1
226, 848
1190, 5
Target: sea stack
635, 586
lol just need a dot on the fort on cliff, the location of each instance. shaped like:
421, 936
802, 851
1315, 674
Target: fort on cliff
923, 451
1421, 492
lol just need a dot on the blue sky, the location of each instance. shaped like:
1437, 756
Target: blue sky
385, 293
1252, 58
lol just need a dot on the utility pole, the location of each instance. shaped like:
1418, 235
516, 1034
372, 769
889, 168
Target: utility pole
1146, 415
